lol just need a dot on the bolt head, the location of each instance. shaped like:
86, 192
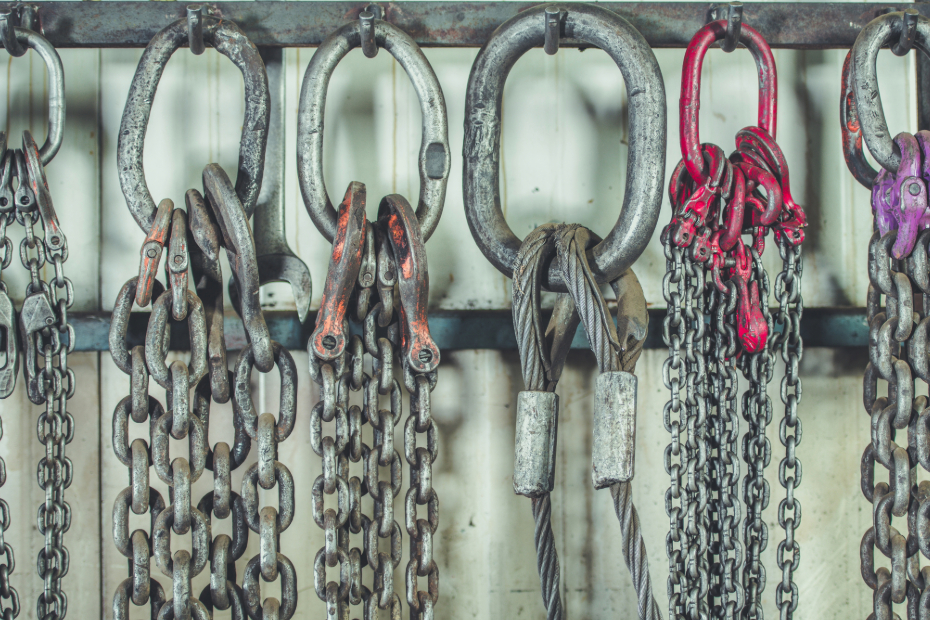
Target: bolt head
329, 343
425, 356
178, 259
913, 189
151, 253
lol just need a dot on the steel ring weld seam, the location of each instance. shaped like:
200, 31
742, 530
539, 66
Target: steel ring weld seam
56, 90
434, 158
880, 32
646, 161
229, 40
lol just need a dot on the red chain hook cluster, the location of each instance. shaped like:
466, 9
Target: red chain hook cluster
717, 200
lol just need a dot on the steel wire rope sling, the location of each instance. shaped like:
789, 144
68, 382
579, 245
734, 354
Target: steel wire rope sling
715, 201
378, 278
217, 218
898, 304
609, 258
42, 336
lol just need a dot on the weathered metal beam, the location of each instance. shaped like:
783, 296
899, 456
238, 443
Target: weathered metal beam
801, 25
472, 329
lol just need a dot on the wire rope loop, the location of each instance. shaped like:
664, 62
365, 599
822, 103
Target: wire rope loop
229, 40
690, 101
880, 32
434, 159
56, 90
646, 164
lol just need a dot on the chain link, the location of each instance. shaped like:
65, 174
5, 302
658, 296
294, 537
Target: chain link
788, 339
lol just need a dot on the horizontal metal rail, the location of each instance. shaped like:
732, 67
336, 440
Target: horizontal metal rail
467, 329
798, 25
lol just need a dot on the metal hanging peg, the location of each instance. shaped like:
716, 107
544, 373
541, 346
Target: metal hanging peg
908, 33
195, 28
553, 29
366, 29
733, 13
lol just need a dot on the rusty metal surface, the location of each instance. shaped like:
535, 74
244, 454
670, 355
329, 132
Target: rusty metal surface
805, 25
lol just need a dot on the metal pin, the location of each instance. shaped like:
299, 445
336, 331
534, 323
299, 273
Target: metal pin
908, 33
29, 17
553, 29
366, 28
734, 26
195, 28
8, 23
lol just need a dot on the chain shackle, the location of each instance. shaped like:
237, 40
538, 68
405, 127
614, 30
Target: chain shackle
646, 165
690, 102
229, 40
878, 33
434, 161
851, 129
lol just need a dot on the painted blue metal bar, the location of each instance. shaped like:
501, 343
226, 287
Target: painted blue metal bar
473, 329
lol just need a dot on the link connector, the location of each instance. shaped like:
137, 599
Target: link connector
908, 33
195, 28
553, 29
366, 29
733, 13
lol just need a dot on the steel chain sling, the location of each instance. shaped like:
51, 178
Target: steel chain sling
897, 310
721, 324
542, 357
377, 277
218, 218
609, 259
42, 336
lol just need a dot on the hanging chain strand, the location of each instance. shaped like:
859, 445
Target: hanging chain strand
758, 369
790, 311
51, 383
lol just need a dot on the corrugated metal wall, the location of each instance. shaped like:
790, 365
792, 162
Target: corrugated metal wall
564, 158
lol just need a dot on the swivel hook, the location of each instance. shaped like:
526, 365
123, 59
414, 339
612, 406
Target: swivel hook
195, 28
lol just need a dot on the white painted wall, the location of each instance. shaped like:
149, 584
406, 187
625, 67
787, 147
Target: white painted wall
563, 159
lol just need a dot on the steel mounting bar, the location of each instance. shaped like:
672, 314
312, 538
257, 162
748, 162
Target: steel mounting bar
456, 330
799, 25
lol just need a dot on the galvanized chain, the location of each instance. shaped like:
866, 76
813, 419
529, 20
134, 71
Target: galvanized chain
892, 340
48, 338
723, 433
788, 340
139, 406
687, 499
381, 336
758, 369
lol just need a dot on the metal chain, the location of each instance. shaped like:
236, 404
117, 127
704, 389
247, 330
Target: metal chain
723, 433
142, 408
687, 499
891, 333
48, 339
788, 339
757, 453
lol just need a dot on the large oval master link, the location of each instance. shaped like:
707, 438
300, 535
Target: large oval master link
434, 148
646, 161
230, 41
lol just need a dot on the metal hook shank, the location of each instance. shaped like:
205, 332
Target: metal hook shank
434, 148
878, 33
646, 164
